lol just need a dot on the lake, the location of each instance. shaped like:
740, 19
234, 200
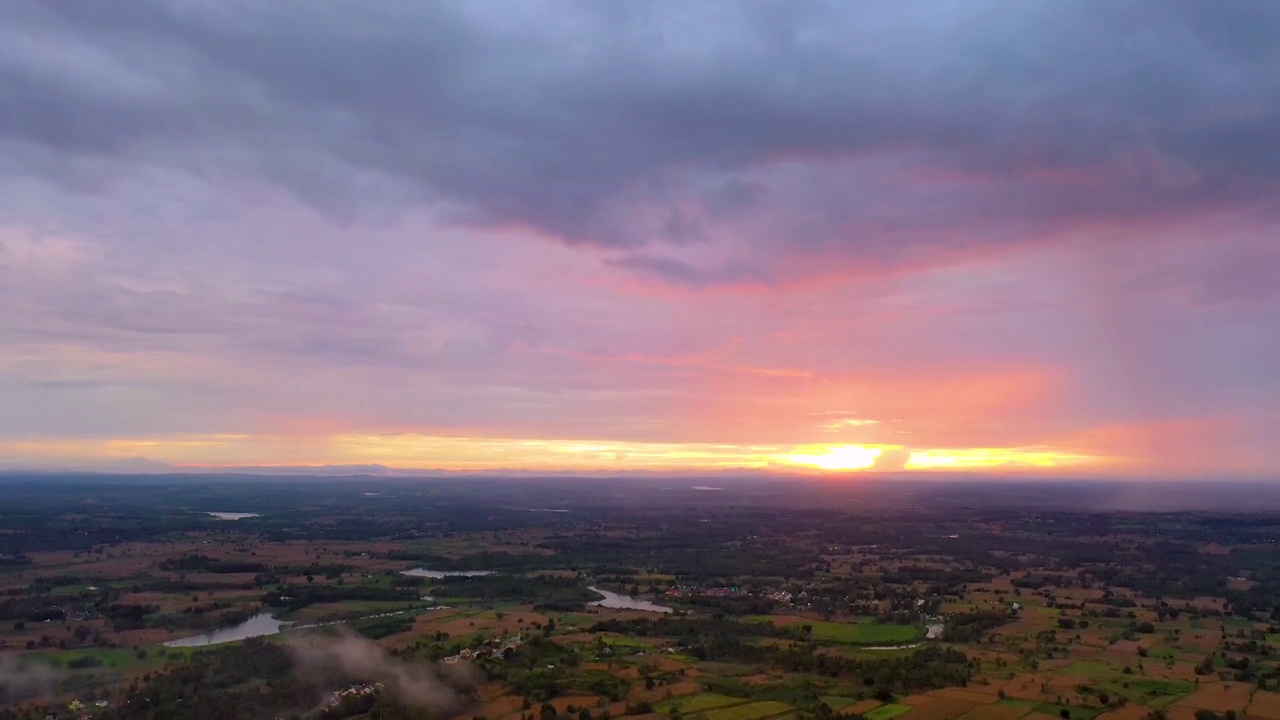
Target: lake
626, 602
232, 516
423, 572
256, 626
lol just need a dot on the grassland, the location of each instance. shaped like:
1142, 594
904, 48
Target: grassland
749, 711
700, 703
884, 712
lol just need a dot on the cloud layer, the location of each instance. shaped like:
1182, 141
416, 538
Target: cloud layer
981, 225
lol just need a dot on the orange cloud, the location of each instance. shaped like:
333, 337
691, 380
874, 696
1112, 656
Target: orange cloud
947, 409
1170, 446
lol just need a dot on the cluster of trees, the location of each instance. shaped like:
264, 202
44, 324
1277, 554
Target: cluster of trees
295, 597
545, 592
970, 627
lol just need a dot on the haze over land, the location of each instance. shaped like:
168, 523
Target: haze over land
1032, 237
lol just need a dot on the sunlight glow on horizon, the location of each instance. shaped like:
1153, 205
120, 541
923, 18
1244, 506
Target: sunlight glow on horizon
837, 457
451, 453
978, 458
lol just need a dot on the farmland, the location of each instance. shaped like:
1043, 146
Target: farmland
801, 607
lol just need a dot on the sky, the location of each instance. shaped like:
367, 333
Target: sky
1025, 236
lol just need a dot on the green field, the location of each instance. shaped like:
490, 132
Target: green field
1148, 691
1159, 693
626, 641
1094, 669
110, 657
862, 631
838, 702
750, 711
884, 712
699, 703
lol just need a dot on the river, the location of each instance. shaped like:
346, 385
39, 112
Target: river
256, 626
265, 624
423, 572
626, 602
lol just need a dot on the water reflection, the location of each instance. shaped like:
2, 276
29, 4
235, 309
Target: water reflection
423, 572
626, 602
256, 626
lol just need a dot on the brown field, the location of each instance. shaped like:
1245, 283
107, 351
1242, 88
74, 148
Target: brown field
497, 707
971, 694
1026, 687
1219, 697
578, 701
862, 706
934, 708
1181, 713
1265, 704
681, 689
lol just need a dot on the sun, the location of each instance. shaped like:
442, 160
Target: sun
835, 457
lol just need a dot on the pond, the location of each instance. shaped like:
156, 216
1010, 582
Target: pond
256, 626
424, 572
626, 602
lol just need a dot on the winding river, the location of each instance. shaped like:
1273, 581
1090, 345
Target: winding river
626, 602
257, 626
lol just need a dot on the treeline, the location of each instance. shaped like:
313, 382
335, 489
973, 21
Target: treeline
542, 591
296, 597
969, 627
690, 630
501, 562
732, 605
203, 563
700, 553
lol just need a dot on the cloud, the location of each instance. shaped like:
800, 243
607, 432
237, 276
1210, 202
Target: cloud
440, 689
645, 222
658, 125
679, 272
21, 680
892, 460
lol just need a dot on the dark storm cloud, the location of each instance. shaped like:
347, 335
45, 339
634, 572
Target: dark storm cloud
621, 125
